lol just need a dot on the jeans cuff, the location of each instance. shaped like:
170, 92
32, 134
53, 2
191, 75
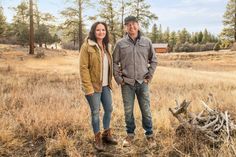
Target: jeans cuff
149, 134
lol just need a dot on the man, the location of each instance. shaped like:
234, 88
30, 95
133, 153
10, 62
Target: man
134, 62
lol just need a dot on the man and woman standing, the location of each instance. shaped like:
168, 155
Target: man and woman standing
134, 62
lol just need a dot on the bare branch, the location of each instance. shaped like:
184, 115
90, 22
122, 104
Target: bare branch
207, 107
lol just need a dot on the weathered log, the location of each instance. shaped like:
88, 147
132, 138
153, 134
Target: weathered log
213, 125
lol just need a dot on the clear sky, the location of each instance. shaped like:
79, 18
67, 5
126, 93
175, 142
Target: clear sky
194, 15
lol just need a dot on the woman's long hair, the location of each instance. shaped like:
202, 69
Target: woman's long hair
93, 37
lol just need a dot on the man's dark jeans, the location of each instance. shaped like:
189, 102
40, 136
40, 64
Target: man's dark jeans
128, 95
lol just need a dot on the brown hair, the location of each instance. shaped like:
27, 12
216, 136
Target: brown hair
93, 37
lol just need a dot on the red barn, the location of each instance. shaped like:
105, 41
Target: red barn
161, 47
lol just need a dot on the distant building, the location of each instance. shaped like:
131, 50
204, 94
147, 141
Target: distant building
161, 47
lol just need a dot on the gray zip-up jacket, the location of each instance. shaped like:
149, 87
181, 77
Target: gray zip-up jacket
133, 62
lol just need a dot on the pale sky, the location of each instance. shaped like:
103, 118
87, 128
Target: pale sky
194, 15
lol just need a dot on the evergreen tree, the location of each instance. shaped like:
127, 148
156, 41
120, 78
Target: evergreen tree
74, 24
206, 37
108, 13
183, 36
122, 11
141, 9
43, 35
154, 33
42, 20
172, 40
200, 37
31, 31
229, 31
22, 13
196, 37
160, 34
21, 22
3, 25
193, 38
166, 35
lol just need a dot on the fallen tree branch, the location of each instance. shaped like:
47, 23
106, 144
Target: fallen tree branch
215, 126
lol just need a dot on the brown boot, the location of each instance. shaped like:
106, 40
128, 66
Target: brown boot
98, 142
107, 137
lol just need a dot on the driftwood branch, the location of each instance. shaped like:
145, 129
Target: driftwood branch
215, 126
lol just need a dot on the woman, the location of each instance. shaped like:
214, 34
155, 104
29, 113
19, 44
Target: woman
96, 76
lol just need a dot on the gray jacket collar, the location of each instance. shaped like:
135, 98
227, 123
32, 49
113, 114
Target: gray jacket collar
130, 39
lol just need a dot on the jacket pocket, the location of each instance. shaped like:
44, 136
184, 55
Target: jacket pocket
125, 48
126, 55
144, 49
94, 64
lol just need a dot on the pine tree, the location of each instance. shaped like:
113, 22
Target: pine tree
43, 35
22, 13
21, 23
196, 37
200, 37
154, 33
42, 20
183, 36
206, 37
31, 34
108, 14
2, 22
229, 31
122, 11
160, 34
141, 9
172, 40
193, 38
166, 35
74, 25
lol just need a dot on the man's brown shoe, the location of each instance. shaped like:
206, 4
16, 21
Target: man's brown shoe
107, 137
98, 142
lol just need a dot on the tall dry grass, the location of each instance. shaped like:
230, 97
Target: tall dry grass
44, 113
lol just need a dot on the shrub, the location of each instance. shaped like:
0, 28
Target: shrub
196, 47
70, 46
217, 47
209, 46
189, 47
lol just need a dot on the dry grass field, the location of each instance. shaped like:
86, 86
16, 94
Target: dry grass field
43, 111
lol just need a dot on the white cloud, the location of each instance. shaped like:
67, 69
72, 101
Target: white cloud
194, 15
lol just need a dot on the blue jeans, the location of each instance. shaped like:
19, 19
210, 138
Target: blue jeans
128, 95
94, 103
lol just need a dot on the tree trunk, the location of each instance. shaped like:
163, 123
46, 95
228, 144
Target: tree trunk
137, 10
112, 26
38, 25
80, 24
122, 18
31, 36
234, 20
74, 39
